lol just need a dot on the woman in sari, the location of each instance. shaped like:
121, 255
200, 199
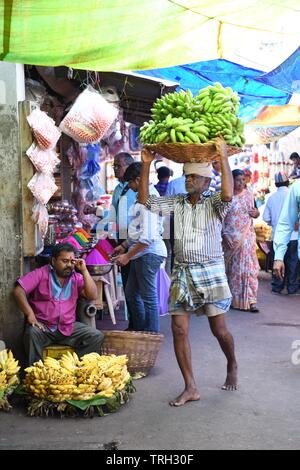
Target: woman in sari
240, 246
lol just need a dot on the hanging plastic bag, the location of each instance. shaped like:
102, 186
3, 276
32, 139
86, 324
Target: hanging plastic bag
91, 188
42, 187
44, 129
89, 118
45, 161
91, 166
163, 285
40, 217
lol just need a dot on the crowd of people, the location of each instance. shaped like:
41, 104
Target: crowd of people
210, 243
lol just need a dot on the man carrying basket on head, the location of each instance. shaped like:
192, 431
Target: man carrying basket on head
199, 284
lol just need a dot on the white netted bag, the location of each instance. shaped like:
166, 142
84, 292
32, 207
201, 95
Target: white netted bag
44, 129
42, 187
40, 217
89, 118
44, 161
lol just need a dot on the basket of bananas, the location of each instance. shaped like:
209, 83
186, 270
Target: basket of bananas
92, 385
183, 127
9, 380
193, 153
141, 348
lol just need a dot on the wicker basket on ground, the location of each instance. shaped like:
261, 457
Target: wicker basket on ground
183, 153
141, 348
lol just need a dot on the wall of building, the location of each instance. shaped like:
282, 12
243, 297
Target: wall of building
11, 91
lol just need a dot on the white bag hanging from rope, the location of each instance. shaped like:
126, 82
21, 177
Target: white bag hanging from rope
44, 161
89, 118
42, 187
44, 129
40, 217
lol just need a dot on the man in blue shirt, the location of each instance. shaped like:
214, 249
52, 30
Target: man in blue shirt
176, 186
289, 216
123, 197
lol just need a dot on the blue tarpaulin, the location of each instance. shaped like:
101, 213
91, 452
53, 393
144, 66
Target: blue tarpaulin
286, 76
254, 95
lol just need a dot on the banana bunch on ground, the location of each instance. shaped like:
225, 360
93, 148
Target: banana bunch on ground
182, 118
50, 380
107, 374
72, 378
9, 368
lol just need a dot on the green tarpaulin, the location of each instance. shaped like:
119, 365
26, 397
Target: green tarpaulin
141, 34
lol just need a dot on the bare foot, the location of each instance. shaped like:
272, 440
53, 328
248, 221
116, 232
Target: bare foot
231, 380
187, 395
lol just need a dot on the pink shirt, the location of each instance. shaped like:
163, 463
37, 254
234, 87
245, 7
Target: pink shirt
53, 313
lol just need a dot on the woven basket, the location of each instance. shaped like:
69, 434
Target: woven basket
140, 347
183, 153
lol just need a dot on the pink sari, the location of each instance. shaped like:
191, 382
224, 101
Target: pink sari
240, 260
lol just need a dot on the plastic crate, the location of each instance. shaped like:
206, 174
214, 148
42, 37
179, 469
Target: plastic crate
56, 351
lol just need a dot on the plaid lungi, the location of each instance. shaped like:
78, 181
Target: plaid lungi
193, 285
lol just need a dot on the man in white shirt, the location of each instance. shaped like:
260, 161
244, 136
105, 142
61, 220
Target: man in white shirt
289, 216
271, 216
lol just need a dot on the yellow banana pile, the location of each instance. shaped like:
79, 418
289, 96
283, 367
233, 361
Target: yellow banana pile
72, 378
9, 369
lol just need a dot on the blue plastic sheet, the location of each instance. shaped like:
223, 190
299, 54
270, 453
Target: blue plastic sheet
286, 76
254, 94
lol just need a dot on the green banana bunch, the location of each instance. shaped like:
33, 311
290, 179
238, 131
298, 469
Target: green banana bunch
182, 118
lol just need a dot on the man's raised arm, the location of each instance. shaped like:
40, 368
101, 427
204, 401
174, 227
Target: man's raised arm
147, 159
227, 179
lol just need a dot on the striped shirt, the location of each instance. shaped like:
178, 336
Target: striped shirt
197, 228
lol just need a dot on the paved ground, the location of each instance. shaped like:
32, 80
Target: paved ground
263, 414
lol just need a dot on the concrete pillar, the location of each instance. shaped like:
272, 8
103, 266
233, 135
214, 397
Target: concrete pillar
11, 91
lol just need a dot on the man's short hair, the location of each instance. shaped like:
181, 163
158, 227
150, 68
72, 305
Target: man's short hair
282, 183
237, 172
133, 171
57, 249
163, 172
294, 156
125, 156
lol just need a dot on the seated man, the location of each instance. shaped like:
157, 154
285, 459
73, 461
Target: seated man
48, 296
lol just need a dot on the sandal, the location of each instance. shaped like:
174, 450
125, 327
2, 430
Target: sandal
253, 308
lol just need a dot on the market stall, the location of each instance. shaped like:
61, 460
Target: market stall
73, 127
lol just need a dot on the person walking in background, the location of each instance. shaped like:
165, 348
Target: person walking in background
176, 186
163, 175
271, 216
146, 251
289, 216
199, 285
295, 157
239, 244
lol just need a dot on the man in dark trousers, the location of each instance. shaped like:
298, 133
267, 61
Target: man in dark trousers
48, 297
